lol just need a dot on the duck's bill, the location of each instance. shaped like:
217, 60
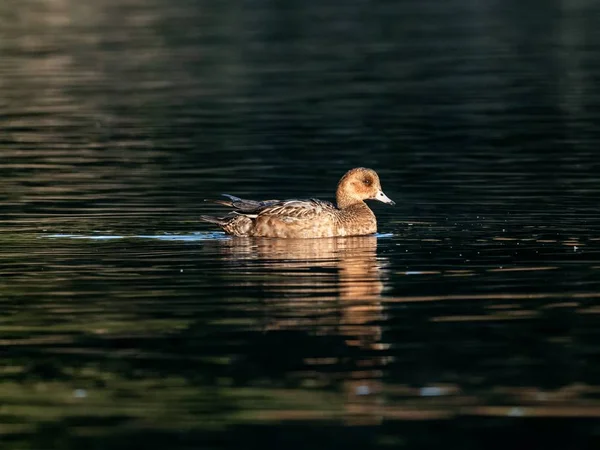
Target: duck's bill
384, 198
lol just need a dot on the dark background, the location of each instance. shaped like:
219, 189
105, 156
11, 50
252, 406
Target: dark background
468, 322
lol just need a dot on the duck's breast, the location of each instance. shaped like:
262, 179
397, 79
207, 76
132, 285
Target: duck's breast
356, 220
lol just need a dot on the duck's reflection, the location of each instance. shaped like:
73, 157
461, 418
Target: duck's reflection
327, 288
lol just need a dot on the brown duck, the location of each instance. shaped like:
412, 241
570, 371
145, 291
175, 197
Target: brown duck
310, 218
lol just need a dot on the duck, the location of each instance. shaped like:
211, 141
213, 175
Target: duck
307, 218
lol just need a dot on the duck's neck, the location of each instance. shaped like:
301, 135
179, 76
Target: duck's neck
344, 201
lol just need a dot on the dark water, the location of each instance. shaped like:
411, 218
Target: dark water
471, 321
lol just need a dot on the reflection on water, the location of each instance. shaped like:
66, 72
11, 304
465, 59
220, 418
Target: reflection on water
470, 323
328, 288
325, 276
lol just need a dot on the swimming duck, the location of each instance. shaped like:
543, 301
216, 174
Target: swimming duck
311, 218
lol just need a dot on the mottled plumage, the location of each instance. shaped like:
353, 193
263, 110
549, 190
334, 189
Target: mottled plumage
311, 218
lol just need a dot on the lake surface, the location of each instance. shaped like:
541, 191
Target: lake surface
469, 321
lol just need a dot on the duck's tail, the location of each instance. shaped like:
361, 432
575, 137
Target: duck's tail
235, 224
240, 221
221, 221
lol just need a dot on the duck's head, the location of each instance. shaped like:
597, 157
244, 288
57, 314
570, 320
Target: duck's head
360, 184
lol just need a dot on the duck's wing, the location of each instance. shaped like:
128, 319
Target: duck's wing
292, 209
298, 209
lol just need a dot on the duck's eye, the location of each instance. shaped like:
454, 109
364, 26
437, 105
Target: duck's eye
367, 181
